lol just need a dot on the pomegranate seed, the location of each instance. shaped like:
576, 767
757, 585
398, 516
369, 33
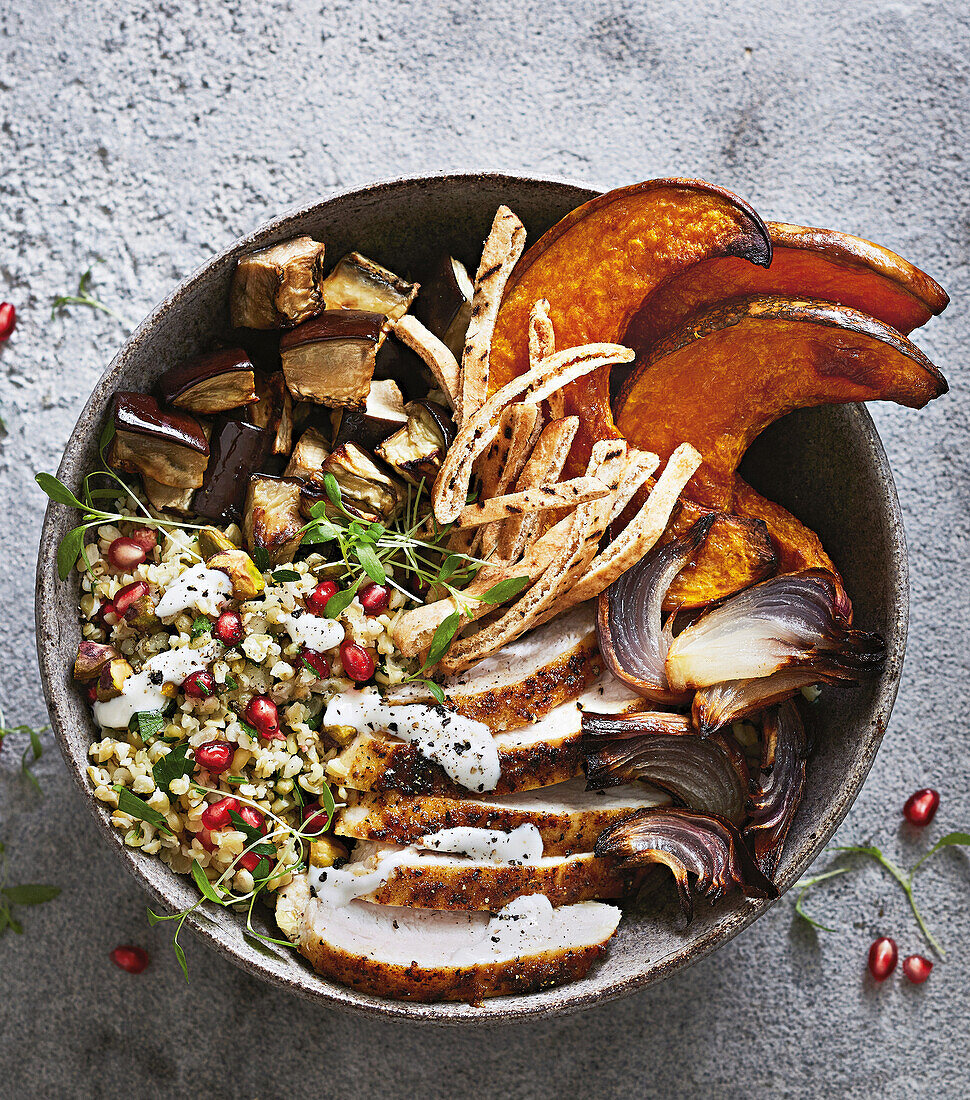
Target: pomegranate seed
92, 694
358, 663
253, 817
216, 815
146, 537
132, 959
921, 807
214, 756
917, 968
107, 609
261, 713
318, 662
126, 554
8, 319
315, 818
882, 958
205, 840
229, 628
321, 596
250, 861
374, 599
200, 685
127, 596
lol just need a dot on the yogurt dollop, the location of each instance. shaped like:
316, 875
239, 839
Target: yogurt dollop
143, 690
198, 587
313, 631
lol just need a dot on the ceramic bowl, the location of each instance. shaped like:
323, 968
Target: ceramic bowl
826, 465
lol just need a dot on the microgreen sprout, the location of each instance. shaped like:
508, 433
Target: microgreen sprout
13, 896
84, 297
33, 751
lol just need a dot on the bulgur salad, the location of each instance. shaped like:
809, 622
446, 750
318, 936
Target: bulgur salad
387, 625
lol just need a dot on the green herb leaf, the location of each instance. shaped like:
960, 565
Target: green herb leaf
30, 894
252, 835
57, 490
231, 682
370, 563
69, 550
283, 575
107, 434
332, 489
340, 601
261, 558
504, 590
442, 639
321, 530
806, 884
173, 765
129, 803
959, 839
147, 724
180, 955
208, 891
435, 689
201, 626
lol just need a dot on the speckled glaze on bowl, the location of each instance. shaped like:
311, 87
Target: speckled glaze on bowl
826, 465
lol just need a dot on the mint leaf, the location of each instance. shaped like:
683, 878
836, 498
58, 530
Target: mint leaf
261, 558
57, 490
504, 590
147, 724
172, 766
442, 639
282, 575
68, 551
129, 803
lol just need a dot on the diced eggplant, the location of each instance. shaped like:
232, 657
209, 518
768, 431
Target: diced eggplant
366, 489
278, 287
417, 450
444, 306
361, 284
330, 359
238, 450
400, 364
308, 456
164, 498
273, 520
382, 414
274, 411
209, 384
168, 447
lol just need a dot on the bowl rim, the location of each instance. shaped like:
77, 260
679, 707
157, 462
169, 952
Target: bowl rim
560, 1000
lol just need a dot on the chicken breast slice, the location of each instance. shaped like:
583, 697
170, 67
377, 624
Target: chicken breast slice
537, 755
569, 818
424, 955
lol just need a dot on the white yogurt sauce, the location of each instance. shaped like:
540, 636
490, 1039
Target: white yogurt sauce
520, 920
522, 844
337, 887
464, 748
204, 589
313, 631
143, 690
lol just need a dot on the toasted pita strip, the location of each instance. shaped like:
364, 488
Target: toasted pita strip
562, 494
542, 344
607, 461
451, 485
642, 533
442, 364
545, 464
501, 252
525, 424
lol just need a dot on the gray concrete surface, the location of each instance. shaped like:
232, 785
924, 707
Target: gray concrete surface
150, 134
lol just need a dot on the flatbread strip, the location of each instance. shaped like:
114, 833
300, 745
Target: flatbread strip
545, 464
501, 252
542, 344
561, 494
442, 364
520, 427
607, 461
451, 485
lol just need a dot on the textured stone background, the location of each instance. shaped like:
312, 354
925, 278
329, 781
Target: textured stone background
149, 135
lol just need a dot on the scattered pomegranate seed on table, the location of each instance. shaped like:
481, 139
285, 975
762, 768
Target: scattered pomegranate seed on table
374, 599
130, 958
199, 685
921, 807
262, 714
216, 815
358, 663
229, 628
321, 596
146, 537
8, 320
882, 958
214, 756
917, 968
126, 554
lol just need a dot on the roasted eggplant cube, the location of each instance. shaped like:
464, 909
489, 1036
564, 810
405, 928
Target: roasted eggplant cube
406, 368
273, 521
278, 287
164, 498
444, 305
417, 450
308, 457
274, 411
361, 284
382, 415
238, 450
366, 489
210, 384
168, 447
330, 360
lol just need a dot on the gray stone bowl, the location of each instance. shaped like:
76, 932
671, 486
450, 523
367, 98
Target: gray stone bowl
826, 465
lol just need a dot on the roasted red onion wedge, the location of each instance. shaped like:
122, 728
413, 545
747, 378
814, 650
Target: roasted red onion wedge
780, 785
798, 620
707, 847
633, 639
722, 704
705, 774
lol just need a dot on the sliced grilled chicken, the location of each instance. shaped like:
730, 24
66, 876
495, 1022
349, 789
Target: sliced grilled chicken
524, 681
537, 755
432, 880
569, 818
423, 955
